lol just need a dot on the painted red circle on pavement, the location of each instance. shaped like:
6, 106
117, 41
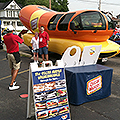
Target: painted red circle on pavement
24, 95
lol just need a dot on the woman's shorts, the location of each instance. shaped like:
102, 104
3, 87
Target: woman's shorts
43, 50
36, 51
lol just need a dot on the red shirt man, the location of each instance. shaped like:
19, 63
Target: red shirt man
11, 41
43, 43
44, 38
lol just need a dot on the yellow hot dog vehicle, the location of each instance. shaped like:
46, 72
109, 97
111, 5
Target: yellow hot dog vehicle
80, 28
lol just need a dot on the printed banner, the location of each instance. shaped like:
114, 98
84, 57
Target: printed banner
94, 85
50, 95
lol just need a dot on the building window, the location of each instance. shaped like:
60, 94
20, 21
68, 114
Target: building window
13, 13
13, 6
7, 13
13, 23
19, 23
6, 23
17, 13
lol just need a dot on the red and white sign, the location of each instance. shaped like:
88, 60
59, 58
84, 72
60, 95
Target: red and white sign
94, 85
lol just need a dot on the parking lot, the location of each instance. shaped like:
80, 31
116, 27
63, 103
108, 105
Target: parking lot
12, 107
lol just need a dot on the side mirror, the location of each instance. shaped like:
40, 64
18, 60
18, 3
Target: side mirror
72, 27
95, 31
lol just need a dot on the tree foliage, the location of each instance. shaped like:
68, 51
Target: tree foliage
60, 5
57, 5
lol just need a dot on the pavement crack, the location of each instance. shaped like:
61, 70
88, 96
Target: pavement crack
105, 116
115, 96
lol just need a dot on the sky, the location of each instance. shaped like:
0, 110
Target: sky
112, 6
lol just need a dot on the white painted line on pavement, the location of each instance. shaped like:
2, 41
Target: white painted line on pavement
10, 75
3, 59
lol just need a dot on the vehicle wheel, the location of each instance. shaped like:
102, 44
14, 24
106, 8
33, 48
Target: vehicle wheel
100, 61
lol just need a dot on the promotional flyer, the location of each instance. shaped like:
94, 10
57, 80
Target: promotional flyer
50, 95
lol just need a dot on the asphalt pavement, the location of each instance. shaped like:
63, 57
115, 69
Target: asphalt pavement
13, 107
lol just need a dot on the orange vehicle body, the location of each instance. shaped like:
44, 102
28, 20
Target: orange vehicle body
34, 16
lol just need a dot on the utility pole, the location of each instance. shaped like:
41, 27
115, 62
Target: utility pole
49, 4
99, 5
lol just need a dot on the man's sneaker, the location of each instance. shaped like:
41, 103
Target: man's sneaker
12, 87
14, 83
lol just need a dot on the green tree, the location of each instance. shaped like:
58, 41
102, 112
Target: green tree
37, 2
57, 5
60, 5
22, 2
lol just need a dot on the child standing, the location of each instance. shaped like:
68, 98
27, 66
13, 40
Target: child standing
35, 46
